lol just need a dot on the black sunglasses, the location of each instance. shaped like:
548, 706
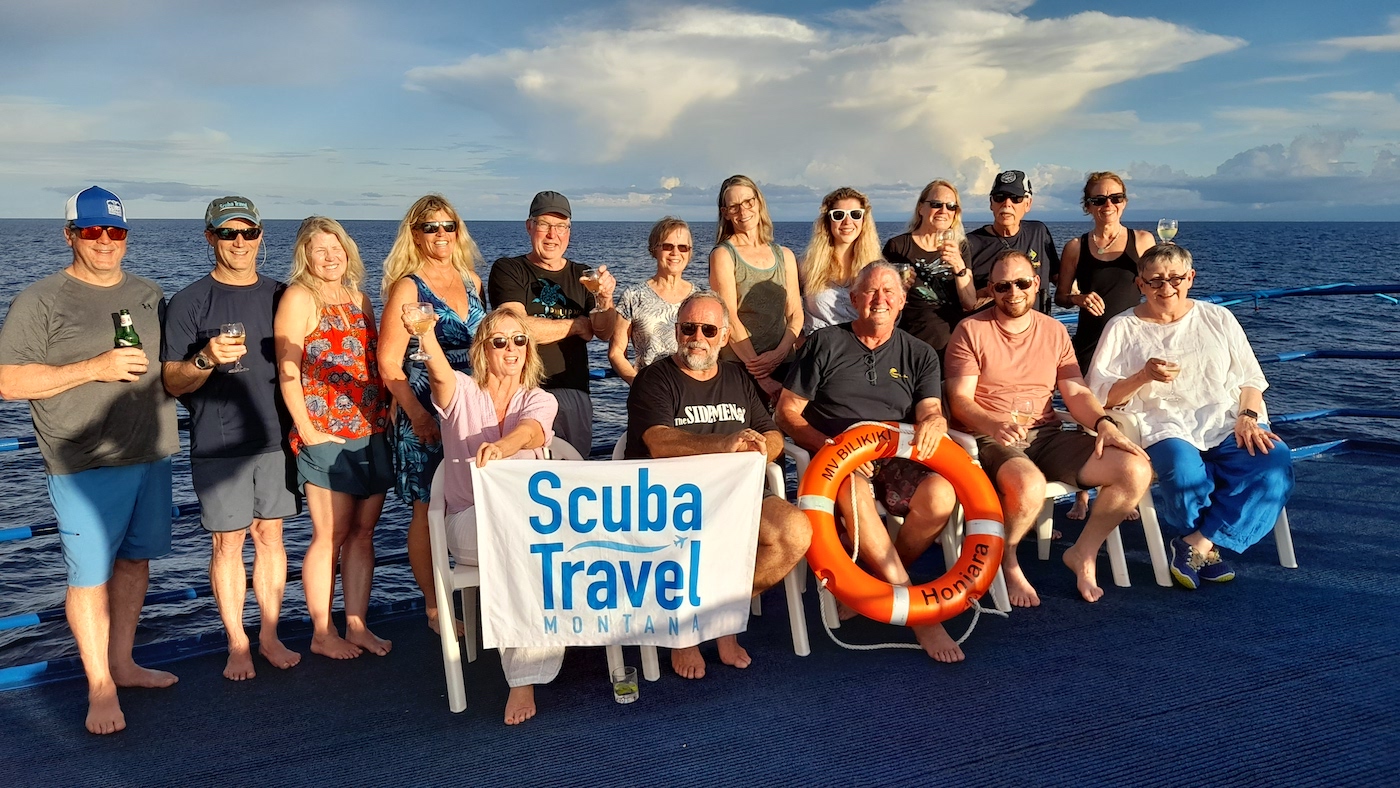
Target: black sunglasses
1003, 197
838, 214
230, 233
688, 329
93, 233
1099, 199
431, 228
936, 204
1019, 284
499, 343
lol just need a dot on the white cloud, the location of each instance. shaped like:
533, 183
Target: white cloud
1387, 42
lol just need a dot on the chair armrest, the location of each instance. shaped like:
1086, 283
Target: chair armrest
967, 442
799, 456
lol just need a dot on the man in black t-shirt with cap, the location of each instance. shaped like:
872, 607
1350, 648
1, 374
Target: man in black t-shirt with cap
1011, 200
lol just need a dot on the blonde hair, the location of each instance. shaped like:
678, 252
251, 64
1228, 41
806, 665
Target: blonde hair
957, 228
406, 257
820, 268
301, 260
724, 229
531, 372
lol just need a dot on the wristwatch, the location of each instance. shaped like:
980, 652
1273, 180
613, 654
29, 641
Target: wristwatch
965, 272
1251, 414
203, 362
1107, 418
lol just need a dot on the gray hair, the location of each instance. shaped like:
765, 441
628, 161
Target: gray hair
705, 295
863, 277
1166, 254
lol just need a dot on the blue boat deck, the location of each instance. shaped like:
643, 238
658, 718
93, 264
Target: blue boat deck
1283, 677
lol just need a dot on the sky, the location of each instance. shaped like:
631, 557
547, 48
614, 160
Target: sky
1282, 111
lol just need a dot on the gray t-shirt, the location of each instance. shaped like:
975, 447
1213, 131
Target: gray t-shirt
60, 320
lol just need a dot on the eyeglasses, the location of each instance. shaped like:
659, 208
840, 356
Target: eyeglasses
688, 329
1099, 199
937, 204
1019, 284
870, 375
1160, 282
838, 214
742, 205
499, 343
431, 228
230, 233
548, 227
670, 247
1003, 197
93, 233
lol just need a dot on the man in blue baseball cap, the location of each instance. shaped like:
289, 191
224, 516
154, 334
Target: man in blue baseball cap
106, 430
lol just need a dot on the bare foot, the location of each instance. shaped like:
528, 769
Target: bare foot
457, 624
1018, 588
334, 646
520, 706
133, 675
844, 612
1080, 509
104, 714
279, 655
1132, 514
733, 654
1085, 571
240, 663
369, 641
938, 643
688, 663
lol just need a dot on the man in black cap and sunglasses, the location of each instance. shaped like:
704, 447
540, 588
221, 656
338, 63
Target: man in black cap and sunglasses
1010, 201
238, 425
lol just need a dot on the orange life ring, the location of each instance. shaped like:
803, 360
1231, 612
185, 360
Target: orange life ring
939, 600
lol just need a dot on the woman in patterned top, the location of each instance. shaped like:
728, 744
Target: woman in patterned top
646, 313
433, 261
329, 375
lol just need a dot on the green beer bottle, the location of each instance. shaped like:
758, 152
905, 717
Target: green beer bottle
126, 332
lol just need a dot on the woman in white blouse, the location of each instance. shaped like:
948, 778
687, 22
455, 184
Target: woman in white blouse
1186, 367
843, 241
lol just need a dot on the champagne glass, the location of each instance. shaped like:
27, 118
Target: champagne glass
1022, 413
235, 332
1166, 230
420, 316
1171, 364
590, 280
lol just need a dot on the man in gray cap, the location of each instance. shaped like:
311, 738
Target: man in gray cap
238, 425
1011, 200
106, 430
562, 307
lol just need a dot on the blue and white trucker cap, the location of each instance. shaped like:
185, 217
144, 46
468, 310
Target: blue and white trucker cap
95, 207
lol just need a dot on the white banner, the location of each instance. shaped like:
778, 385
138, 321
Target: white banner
651, 552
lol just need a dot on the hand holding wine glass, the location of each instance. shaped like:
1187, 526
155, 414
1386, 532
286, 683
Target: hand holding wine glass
237, 335
1171, 366
1022, 415
418, 318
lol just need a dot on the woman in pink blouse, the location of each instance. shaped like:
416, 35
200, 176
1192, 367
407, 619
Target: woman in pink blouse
497, 412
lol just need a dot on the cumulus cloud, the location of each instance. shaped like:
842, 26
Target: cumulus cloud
904, 86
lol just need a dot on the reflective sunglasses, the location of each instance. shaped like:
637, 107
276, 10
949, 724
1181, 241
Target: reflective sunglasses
1099, 199
670, 247
1019, 284
1003, 197
838, 214
230, 233
937, 204
1159, 282
688, 329
431, 228
93, 233
500, 343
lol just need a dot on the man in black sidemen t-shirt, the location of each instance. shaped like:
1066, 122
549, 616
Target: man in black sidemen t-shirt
872, 370
1010, 202
691, 403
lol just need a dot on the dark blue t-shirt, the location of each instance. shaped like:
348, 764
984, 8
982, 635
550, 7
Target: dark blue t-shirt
231, 415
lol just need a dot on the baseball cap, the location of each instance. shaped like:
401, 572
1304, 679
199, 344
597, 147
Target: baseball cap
1012, 182
95, 207
231, 207
550, 202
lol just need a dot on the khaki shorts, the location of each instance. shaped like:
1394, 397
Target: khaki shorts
1060, 455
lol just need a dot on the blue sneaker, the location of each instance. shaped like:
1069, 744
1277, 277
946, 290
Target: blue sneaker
1215, 569
1186, 564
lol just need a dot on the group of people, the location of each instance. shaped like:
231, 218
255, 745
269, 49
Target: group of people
295, 391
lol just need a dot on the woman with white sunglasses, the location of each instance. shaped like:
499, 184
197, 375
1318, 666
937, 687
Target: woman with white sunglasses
844, 240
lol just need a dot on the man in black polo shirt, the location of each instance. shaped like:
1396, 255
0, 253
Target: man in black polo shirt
1011, 200
690, 403
871, 370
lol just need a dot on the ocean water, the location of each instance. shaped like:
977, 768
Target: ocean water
1234, 256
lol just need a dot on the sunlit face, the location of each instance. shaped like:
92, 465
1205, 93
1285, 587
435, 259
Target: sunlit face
549, 236
878, 299
670, 260
741, 207
327, 257
239, 256
438, 245
509, 361
1110, 212
848, 229
1165, 284
1016, 271
103, 255
942, 218
697, 351
1008, 213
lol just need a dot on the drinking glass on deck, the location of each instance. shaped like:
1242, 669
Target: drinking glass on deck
1166, 230
624, 684
421, 315
590, 279
1022, 413
235, 332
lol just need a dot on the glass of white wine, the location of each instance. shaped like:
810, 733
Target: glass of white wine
1171, 364
1022, 413
590, 279
1166, 230
420, 315
235, 332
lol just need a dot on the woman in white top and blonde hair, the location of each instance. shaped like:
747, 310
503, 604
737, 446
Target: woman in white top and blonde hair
844, 240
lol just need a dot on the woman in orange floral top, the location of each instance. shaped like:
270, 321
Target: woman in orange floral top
327, 368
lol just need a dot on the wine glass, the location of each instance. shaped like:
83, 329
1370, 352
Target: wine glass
906, 274
420, 316
1022, 413
1171, 364
590, 279
235, 332
1166, 230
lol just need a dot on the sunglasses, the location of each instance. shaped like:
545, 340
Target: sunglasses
689, 329
93, 233
1159, 283
937, 204
1099, 199
670, 247
1019, 284
838, 214
431, 228
230, 233
1003, 197
499, 343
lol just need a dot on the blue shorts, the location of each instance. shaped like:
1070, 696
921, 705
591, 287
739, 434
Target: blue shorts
110, 513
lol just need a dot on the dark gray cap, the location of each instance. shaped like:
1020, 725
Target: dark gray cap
550, 202
1012, 182
232, 207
